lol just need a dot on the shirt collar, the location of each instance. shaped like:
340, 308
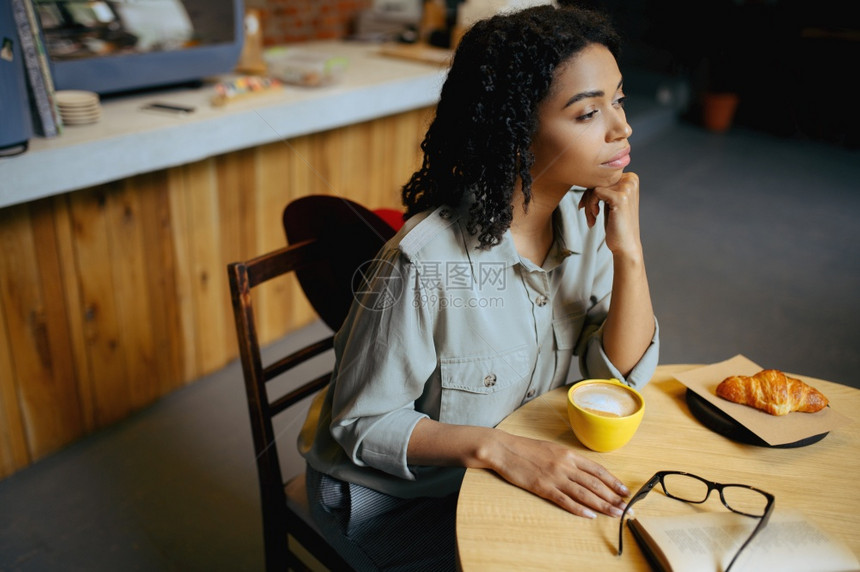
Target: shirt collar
567, 227
569, 223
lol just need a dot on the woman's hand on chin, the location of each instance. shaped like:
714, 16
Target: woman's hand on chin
621, 213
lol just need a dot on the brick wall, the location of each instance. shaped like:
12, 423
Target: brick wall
288, 21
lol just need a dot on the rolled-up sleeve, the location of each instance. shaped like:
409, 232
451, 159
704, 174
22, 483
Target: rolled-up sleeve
387, 356
596, 364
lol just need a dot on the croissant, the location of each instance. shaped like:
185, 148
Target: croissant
773, 392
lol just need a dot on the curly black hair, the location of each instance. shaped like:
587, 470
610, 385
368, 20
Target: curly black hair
478, 144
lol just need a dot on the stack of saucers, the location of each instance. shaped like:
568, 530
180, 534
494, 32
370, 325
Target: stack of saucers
78, 107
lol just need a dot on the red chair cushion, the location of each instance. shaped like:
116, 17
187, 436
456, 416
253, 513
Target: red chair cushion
393, 217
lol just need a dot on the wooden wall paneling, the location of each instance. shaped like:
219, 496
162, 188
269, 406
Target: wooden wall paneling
210, 294
273, 193
408, 134
307, 176
375, 164
127, 256
349, 163
236, 178
385, 154
327, 162
302, 177
355, 164
14, 452
181, 231
111, 392
161, 280
273, 300
303, 180
75, 313
53, 327
313, 162
412, 135
402, 158
47, 400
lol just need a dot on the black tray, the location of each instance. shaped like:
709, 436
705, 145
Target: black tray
716, 420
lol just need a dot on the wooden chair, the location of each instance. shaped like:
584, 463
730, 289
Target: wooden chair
329, 239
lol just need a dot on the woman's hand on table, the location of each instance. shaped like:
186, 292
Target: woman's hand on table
549, 470
558, 474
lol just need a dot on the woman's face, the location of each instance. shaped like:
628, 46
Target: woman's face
582, 129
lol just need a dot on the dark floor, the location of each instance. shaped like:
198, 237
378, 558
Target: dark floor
753, 247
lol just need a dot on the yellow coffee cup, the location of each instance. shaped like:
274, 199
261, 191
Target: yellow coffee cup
604, 413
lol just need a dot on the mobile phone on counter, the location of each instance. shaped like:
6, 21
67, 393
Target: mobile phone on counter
170, 108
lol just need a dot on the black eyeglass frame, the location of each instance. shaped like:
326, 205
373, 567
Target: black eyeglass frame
658, 478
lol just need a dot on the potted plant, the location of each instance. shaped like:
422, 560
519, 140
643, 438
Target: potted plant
719, 95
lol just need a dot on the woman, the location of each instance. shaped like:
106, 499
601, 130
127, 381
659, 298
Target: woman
503, 271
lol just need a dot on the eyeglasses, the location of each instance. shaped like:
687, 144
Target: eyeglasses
742, 499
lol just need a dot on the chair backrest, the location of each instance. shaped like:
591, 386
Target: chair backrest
350, 233
278, 518
329, 238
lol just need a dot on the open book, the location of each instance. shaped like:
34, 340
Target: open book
706, 542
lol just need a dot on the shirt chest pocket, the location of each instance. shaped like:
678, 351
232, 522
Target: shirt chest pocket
484, 390
567, 330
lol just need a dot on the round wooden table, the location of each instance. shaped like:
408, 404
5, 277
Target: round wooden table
502, 527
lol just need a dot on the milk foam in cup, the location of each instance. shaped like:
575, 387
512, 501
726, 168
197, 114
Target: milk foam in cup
604, 413
606, 399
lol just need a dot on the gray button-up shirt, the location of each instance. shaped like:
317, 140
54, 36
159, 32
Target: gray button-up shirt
442, 329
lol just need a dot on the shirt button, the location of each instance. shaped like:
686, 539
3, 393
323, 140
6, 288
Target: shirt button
531, 393
490, 380
445, 213
541, 301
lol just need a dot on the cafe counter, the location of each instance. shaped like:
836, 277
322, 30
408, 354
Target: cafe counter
115, 236
129, 140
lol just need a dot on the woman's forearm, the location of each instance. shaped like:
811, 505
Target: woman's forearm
629, 325
443, 444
